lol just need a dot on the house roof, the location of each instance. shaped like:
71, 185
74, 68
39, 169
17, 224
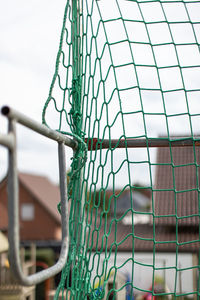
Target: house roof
176, 186
143, 238
44, 191
140, 239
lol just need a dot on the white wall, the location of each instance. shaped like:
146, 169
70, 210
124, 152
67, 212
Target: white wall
142, 271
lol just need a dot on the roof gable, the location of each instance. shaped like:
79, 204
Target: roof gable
46, 193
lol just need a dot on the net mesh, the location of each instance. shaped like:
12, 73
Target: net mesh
125, 71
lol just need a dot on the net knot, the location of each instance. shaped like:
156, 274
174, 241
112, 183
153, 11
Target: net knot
76, 115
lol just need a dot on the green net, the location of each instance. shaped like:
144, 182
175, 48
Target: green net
127, 87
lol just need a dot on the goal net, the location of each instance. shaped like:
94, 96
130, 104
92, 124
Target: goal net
127, 87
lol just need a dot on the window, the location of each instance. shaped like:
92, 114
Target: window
27, 212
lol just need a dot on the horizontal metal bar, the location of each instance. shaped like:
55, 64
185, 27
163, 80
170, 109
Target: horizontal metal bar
42, 129
95, 144
7, 140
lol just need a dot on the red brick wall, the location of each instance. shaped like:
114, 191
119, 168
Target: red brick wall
42, 227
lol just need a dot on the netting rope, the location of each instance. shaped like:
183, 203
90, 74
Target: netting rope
128, 70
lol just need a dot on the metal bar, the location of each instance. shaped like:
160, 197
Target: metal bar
95, 144
7, 140
42, 129
13, 211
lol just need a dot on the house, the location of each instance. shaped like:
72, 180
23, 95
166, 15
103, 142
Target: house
38, 199
166, 246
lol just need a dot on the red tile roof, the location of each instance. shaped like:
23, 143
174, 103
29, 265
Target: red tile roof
176, 190
142, 238
44, 191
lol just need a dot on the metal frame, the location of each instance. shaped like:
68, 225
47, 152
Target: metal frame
9, 141
97, 144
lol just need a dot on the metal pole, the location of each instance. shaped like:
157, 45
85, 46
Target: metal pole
9, 141
13, 212
95, 144
10, 113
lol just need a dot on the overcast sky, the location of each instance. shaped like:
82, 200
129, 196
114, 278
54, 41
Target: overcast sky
29, 39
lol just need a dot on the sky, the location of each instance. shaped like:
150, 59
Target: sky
29, 39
